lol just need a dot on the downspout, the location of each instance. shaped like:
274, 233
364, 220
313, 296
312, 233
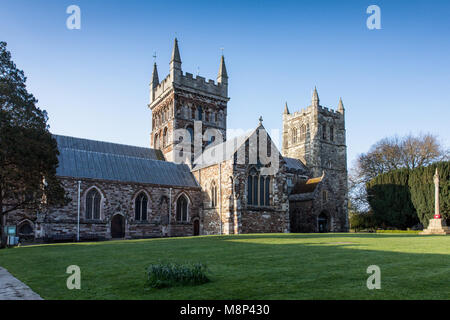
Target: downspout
78, 214
170, 211
220, 197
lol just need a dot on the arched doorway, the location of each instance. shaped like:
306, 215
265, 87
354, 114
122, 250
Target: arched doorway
196, 227
322, 222
118, 226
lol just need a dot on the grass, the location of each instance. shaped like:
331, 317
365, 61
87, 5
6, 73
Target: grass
260, 266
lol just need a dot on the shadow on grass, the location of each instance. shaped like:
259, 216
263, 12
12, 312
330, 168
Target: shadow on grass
241, 269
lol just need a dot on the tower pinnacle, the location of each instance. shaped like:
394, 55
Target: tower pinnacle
341, 106
222, 76
286, 109
315, 98
175, 53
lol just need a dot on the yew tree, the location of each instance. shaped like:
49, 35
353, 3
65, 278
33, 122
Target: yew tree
28, 152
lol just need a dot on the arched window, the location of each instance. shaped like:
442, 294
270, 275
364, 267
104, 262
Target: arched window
258, 189
324, 196
191, 132
302, 132
331, 133
25, 228
140, 207
213, 195
156, 142
165, 137
294, 135
182, 209
199, 113
324, 132
93, 204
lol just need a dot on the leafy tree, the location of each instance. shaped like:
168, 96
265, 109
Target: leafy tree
28, 152
421, 185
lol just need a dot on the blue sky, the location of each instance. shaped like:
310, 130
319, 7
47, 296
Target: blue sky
94, 82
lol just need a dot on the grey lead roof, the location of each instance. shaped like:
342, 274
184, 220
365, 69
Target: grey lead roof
82, 158
295, 164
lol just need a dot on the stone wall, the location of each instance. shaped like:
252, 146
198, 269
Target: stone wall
116, 198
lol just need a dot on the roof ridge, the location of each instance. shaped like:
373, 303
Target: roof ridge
116, 143
116, 154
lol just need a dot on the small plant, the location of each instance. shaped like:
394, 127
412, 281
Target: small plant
161, 275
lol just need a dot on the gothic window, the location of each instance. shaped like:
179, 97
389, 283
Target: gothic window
165, 137
140, 207
216, 117
182, 209
332, 133
93, 204
294, 135
258, 189
193, 113
25, 228
213, 195
324, 132
200, 113
191, 132
324, 196
156, 144
206, 116
303, 132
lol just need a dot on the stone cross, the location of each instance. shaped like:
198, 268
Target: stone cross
436, 195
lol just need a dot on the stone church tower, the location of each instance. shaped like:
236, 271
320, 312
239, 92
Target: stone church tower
181, 101
316, 136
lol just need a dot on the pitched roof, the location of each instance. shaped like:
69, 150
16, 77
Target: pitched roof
295, 164
308, 186
82, 158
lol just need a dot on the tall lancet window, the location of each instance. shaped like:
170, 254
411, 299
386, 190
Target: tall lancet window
182, 209
140, 207
93, 204
199, 113
258, 189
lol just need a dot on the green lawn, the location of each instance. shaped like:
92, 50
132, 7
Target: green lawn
263, 266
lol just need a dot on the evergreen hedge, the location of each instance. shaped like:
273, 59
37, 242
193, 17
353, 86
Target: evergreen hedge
421, 184
390, 199
403, 198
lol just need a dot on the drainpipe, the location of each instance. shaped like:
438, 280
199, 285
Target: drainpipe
78, 214
220, 197
170, 211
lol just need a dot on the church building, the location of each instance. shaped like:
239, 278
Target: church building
193, 180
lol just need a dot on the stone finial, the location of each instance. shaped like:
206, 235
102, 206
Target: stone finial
286, 109
341, 106
315, 98
260, 120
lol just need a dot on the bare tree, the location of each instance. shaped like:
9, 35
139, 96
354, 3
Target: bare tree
395, 153
390, 154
